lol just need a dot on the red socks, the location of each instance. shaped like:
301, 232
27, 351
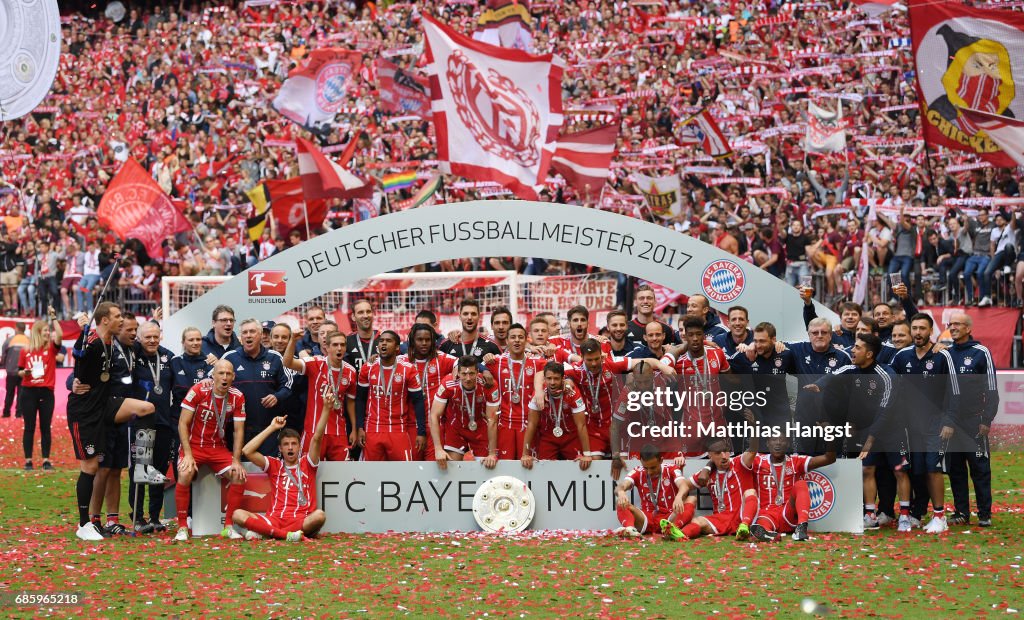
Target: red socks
258, 525
803, 501
691, 530
235, 494
687, 515
182, 497
749, 508
626, 517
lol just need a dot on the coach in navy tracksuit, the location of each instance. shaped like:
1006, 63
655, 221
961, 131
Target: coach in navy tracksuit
260, 376
812, 359
738, 333
965, 429
221, 337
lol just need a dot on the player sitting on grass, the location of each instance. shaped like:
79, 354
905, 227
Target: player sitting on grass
293, 514
662, 489
784, 501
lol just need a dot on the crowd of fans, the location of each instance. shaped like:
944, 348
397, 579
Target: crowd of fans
185, 91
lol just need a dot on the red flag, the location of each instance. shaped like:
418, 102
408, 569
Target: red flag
497, 111
401, 91
711, 138
134, 206
967, 58
316, 91
290, 208
1007, 132
584, 158
322, 178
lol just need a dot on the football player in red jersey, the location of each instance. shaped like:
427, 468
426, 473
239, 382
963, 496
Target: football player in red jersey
328, 375
698, 367
433, 368
559, 432
472, 423
784, 501
661, 487
204, 412
387, 392
293, 514
598, 378
729, 479
579, 323
514, 374
629, 408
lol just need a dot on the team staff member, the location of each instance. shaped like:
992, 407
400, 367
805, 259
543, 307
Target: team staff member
152, 380
261, 378
813, 359
768, 368
738, 333
619, 339
698, 305
849, 314
965, 430
292, 408
92, 410
309, 345
221, 337
387, 391
37, 365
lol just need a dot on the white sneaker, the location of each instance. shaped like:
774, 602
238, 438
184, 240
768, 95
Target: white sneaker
904, 525
251, 535
915, 522
937, 525
870, 522
89, 532
883, 519
147, 474
181, 535
985, 302
631, 532
295, 536
231, 533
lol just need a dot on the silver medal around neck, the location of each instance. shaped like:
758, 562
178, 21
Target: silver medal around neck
779, 501
558, 432
303, 501
472, 425
515, 399
158, 390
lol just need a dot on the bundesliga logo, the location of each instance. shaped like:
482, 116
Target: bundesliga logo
723, 281
823, 495
267, 284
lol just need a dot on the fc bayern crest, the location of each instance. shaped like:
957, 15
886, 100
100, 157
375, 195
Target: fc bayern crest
823, 495
723, 281
266, 365
499, 114
330, 86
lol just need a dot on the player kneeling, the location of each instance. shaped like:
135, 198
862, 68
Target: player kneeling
662, 488
293, 514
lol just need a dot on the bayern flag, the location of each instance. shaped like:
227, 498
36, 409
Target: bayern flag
1006, 132
497, 111
134, 206
712, 140
315, 91
583, 158
323, 178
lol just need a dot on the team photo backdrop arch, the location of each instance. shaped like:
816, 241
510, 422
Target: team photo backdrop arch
501, 228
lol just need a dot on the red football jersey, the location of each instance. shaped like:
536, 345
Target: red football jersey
566, 344
509, 373
776, 480
655, 415
210, 413
701, 375
324, 380
387, 406
432, 373
560, 409
291, 486
600, 392
727, 487
656, 496
463, 406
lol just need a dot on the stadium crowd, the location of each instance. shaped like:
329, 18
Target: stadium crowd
185, 91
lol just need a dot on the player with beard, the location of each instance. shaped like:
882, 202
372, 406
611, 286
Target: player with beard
738, 333
387, 398
784, 501
925, 400
362, 345
579, 323
619, 339
433, 368
293, 514
645, 301
501, 320
598, 378
472, 417
661, 488
469, 341
514, 374
629, 408
331, 390
733, 509
560, 432
204, 413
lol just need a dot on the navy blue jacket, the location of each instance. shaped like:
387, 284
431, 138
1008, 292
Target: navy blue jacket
863, 397
728, 344
769, 376
845, 338
925, 394
257, 377
144, 384
308, 342
187, 371
810, 366
713, 325
974, 384
210, 345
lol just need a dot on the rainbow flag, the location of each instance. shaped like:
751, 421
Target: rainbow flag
398, 180
423, 196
